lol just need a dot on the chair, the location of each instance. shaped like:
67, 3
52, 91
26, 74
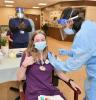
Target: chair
55, 83
76, 93
14, 89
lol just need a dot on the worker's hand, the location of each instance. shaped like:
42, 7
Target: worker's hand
22, 26
68, 24
28, 61
62, 52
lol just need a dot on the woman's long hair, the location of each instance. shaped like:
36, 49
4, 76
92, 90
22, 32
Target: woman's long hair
31, 51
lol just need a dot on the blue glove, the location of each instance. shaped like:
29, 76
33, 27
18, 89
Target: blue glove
62, 21
66, 52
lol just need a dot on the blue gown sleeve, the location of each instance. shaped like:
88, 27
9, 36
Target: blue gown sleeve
71, 64
82, 52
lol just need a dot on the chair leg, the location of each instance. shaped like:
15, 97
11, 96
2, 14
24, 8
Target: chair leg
75, 95
22, 87
22, 96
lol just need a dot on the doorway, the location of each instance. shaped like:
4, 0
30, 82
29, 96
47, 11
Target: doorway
36, 19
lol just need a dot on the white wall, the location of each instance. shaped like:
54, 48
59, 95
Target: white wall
91, 13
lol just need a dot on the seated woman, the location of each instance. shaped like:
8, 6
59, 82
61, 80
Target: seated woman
38, 70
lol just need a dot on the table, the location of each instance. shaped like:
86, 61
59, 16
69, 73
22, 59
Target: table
9, 66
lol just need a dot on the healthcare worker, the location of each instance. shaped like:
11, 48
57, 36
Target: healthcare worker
83, 52
20, 27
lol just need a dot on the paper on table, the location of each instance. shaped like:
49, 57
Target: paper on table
55, 97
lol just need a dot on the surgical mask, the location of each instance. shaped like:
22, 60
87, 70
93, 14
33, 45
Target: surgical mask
40, 46
20, 15
69, 31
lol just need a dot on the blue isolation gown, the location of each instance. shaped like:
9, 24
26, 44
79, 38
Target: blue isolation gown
84, 48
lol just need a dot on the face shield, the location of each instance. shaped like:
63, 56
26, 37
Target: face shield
20, 15
73, 14
20, 12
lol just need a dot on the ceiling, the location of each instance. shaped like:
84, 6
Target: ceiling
31, 3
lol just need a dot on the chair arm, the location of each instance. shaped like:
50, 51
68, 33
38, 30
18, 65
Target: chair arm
78, 90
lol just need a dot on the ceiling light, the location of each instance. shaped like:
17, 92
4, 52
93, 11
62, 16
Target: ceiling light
42, 4
35, 7
8, 1
9, 5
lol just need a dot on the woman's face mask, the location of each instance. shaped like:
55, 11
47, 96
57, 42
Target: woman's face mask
69, 31
40, 46
40, 42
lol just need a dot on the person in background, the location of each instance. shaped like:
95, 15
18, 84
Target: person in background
10, 39
83, 52
37, 69
45, 27
20, 27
